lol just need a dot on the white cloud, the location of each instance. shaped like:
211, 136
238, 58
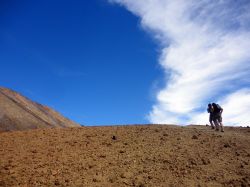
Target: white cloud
206, 52
236, 109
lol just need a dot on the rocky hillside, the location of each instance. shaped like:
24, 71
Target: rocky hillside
143, 156
19, 113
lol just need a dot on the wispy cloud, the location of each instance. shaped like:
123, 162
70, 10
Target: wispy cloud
205, 56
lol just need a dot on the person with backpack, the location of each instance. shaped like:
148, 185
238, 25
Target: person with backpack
216, 116
210, 111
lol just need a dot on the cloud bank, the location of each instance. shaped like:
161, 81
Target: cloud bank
205, 56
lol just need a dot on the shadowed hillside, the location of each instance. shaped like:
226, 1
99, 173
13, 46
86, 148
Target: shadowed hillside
146, 155
19, 113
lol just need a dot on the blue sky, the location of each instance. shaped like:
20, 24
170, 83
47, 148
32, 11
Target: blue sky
89, 60
204, 55
110, 62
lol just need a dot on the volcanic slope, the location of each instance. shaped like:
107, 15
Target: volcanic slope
140, 155
19, 113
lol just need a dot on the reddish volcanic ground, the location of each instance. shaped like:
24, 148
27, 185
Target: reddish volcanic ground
142, 155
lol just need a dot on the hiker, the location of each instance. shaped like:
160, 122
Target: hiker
216, 116
210, 111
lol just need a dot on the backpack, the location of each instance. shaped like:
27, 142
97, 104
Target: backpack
217, 108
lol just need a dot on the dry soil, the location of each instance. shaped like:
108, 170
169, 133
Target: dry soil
138, 155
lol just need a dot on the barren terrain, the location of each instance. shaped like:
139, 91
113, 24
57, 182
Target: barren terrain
17, 112
138, 155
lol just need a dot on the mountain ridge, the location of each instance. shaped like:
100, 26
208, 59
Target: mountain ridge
18, 112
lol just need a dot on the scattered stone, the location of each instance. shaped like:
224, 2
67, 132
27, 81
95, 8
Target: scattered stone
128, 161
139, 181
237, 153
166, 161
108, 144
54, 172
11, 171
195, 137
211, 178
57, 183
111, 180
150, 177
141, 185
2, 183
34, 151
205, 161
226, 145
192, 161
123, 175
246, 163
